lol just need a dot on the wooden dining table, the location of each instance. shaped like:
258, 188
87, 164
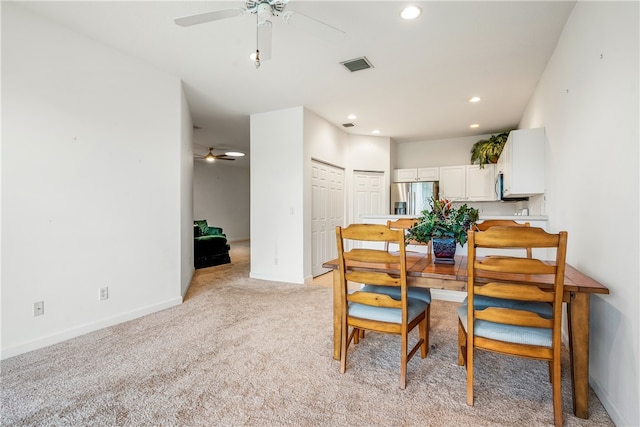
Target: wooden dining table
423, 272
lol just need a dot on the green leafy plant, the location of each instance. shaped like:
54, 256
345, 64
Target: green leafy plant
444, 220
488, 150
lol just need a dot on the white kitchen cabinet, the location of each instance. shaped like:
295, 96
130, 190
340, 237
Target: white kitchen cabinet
522, 163
428, 174
415, 174
469, 183
481, 183
453, 182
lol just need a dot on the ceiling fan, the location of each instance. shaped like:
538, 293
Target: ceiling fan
264, 10
210, 157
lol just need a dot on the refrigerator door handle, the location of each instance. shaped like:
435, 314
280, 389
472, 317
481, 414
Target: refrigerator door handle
413, 203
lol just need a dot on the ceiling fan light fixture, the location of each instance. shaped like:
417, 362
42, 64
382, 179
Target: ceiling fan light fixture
210, 157
257, 59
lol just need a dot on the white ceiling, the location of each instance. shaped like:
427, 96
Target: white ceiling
424, 70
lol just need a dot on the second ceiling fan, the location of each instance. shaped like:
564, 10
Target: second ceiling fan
264, 10
210, 157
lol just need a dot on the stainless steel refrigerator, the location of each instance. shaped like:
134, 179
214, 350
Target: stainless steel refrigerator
411, 198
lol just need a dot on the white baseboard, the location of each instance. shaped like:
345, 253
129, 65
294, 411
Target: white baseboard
283, 279
609, 404
85, 329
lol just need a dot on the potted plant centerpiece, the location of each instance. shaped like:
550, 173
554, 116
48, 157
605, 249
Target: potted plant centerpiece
446, 226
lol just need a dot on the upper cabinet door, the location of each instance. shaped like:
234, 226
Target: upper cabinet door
428, 174
453, 183
405, 175
481, 183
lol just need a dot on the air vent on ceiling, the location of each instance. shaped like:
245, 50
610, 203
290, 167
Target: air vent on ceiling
357, 64
348, 125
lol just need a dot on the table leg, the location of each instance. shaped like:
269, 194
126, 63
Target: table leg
578, 322
336, 314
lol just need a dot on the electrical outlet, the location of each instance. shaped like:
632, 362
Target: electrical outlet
38, 308
104, 293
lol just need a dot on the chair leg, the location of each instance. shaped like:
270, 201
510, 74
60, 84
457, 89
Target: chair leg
344, 344
557, 393
403, 361
469, 370
423, 329
462, 345
426, 337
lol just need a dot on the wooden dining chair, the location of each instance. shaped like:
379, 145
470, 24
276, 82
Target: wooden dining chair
374, 311
405, 224
525, 317
488, 223
423, 294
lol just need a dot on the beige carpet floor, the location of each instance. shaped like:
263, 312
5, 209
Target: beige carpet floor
241, 351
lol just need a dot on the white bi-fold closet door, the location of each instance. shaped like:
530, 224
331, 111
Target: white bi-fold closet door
327, 206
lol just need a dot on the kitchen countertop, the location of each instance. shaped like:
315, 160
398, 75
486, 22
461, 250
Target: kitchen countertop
482, 217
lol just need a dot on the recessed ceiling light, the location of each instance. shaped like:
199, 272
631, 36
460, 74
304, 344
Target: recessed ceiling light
352, 117
234, 154
474, 99
375, 131
410, 12
475, 125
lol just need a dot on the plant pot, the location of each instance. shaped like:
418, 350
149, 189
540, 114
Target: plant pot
444, 248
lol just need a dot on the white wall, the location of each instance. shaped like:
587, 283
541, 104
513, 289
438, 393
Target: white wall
91, 184
441, 152
588, 104
221, 196
277, 196
186, 196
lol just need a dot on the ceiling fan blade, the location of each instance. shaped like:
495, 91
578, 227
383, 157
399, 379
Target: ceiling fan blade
313, 26
264, 40
201, 18
223, 158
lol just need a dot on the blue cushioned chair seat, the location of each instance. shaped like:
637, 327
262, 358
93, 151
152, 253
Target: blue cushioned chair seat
422, 294
507, 333
480, 302
386, 314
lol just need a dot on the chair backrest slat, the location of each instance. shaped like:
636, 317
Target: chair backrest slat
515, 265
510, 316
373, 278
504, 237
376, 300
519, 291
371, 255
488, 223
